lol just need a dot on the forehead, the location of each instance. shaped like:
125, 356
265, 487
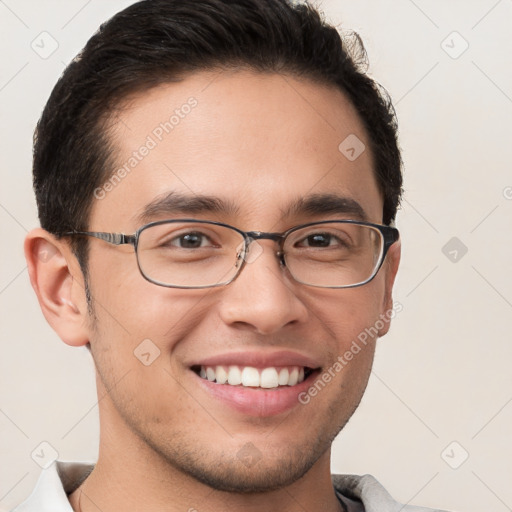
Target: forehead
260, 143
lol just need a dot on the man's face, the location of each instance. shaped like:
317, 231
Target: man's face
258, 143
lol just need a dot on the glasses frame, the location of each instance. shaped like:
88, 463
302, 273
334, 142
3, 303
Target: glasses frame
389, 234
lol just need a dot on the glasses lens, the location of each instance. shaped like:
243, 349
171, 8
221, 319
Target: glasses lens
189, 254
334, 254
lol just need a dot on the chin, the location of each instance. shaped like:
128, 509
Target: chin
251, 476
244, 469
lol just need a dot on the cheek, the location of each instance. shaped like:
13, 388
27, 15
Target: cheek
347, 314
129, 306
138, 326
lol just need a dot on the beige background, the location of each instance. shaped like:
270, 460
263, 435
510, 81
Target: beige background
441, 375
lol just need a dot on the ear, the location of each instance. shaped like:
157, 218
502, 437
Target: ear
390, 268
58, 282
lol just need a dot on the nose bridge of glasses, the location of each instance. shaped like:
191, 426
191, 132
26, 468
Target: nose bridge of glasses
254, 236
261, 235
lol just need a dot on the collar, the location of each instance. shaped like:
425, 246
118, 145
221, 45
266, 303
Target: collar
356, 493
53, 486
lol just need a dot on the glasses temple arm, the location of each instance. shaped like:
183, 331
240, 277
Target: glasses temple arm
111, 238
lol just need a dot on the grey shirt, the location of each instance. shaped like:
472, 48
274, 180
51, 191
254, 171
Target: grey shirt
366, 494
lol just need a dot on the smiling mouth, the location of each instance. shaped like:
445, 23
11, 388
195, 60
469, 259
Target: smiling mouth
248, 376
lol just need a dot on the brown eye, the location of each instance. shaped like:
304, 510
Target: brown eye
190, 241
319, 240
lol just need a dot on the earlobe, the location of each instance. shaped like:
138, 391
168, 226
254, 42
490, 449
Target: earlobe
391, 268
58, 282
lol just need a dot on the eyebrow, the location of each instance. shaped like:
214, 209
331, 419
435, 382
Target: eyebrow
316, 204
327, 204
177, 203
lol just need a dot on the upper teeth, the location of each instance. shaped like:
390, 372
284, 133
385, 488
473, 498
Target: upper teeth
253, 377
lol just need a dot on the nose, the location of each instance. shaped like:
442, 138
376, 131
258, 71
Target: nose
262, 299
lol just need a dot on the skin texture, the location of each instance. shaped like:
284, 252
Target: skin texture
259, 141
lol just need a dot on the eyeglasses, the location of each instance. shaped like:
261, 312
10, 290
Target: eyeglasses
188, 253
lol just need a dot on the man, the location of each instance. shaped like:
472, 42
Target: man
216, 184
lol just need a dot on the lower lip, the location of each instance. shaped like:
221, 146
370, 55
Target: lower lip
258, 402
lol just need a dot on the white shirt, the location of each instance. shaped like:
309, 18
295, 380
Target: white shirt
356, 493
